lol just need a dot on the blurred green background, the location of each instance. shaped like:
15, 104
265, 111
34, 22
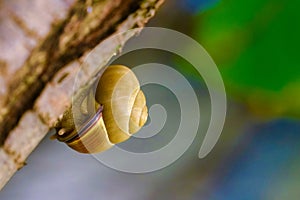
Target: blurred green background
255, 46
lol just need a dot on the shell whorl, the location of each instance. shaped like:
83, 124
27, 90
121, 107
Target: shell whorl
124, 104
121, 111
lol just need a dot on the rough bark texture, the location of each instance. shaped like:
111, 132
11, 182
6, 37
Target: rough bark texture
43, 44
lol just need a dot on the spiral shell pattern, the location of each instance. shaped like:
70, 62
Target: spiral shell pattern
124, 104
121, 112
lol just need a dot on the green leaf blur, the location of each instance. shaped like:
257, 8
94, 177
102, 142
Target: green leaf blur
255, 44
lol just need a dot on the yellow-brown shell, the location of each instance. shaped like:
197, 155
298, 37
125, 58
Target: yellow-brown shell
123, 101
122, 113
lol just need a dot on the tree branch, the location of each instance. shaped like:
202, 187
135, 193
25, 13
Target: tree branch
41, 89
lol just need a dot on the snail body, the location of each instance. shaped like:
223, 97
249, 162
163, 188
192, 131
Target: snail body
120, 112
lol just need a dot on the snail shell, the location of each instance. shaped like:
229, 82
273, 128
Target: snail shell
121, 112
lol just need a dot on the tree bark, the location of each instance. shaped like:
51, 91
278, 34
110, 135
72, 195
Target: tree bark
44, 44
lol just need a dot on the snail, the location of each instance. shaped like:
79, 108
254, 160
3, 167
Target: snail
120, 112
